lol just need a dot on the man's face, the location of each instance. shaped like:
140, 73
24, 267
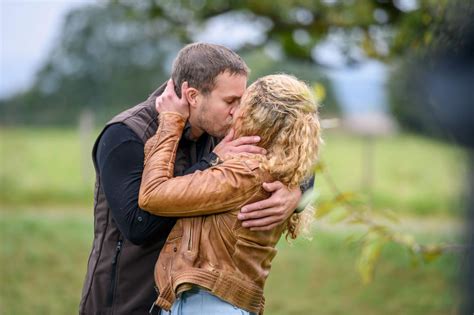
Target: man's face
216, 109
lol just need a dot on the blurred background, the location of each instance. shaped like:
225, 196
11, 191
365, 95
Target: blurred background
395, 79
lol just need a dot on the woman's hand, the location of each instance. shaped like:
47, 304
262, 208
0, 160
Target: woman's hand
168, 101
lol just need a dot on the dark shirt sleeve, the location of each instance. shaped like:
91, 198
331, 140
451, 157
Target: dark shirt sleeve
204, 163
120, 163
307, 184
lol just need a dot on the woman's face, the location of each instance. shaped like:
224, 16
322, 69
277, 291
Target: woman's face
240, 109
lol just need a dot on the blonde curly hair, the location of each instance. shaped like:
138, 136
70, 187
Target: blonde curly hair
282, 110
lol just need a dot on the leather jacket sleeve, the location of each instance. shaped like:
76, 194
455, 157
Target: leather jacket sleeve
218, 189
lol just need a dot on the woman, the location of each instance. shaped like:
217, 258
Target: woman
210, 263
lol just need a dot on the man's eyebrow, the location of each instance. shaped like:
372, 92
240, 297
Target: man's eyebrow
232, 97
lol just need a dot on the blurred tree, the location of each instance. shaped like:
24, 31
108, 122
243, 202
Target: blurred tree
381, 28
433, 91
443, 63
111, 55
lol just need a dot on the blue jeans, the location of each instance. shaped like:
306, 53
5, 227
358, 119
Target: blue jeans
201, 302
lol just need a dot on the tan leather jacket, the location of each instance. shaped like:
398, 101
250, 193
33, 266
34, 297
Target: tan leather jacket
208, 247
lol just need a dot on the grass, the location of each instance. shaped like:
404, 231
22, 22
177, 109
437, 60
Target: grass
412, 175
44, 262
319, 277
45, 166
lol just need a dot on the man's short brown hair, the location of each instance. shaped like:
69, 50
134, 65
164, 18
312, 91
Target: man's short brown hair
200, 63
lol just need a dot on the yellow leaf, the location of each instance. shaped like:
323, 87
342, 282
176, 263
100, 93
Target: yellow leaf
324, 208
368, 258
339, 214
319, 92
407, 240
430, 253
379, 229
390, 214
426, 18
345, 196
428, 37
320, 166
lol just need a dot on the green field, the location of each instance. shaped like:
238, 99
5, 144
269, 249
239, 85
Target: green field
44, 255
412, 175
46, 228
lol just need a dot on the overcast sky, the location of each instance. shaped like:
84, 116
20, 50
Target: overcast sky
28, 29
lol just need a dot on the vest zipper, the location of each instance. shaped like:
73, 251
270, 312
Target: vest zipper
113, 275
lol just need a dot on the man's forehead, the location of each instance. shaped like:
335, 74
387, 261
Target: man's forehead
230, 85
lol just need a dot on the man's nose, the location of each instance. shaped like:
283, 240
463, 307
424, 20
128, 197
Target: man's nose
233, 109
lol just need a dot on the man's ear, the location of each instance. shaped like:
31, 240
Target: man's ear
191, 94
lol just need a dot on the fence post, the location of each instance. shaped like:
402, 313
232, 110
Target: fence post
86, 128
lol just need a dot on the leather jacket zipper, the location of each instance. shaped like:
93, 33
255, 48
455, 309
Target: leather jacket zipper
113, 275
190, 240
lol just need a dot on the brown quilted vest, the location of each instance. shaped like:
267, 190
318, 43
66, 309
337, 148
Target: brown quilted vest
119, 278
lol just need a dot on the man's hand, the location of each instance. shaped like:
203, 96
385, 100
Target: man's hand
229, 146
266, 214
168, 101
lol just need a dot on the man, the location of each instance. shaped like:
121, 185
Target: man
128, 240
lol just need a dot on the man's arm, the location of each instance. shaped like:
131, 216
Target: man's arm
120, 163
266, 214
